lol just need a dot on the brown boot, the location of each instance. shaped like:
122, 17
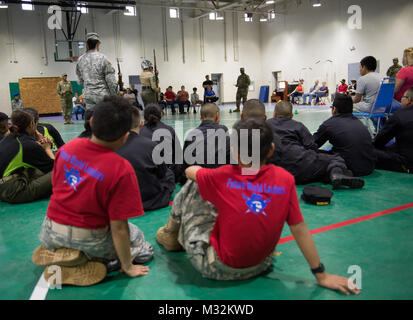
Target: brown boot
62, 257
237, 110
167, 236
84, 275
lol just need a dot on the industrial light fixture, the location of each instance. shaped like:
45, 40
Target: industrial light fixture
248, 17
130, 11
317, 4
27, 6
3, 6
174, 13
269, 2
81, 7
263, 18
272, 16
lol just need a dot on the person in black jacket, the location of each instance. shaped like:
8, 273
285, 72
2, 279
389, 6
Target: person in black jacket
398, 156
25, 164
173, 156
46, 130
4, 125
156, 181
301, 157
349, 137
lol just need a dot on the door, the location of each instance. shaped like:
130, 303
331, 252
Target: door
216, 78
276, 77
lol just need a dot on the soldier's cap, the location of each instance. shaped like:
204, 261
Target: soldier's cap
316, 195
64, 74
344, 80
16, 94
92, 36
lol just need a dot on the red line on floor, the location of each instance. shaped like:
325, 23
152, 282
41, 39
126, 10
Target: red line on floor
351, 221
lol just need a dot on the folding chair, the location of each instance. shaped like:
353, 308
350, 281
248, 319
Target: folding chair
383, 104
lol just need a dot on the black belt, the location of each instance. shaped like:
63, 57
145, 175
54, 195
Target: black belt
145, 88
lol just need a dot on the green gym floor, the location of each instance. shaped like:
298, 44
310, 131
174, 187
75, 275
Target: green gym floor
380, 245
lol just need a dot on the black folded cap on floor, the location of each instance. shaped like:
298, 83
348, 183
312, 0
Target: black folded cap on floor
317, 195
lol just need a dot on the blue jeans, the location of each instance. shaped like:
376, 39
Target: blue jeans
294, 95
311, 95
319, 95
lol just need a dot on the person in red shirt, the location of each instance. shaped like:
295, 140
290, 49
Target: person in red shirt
183, 100
343, 87
170, 98
252, 210
404, 79
95, 192
298, 91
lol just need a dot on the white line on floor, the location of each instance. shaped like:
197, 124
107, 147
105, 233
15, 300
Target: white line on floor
41, 289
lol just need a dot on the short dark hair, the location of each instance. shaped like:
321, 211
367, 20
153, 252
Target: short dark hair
136, 118
112, 118
88, 116
343, 103
20, 120
369, 62
92, 43
266, 135
254, 109
209, 110
33, 112
4, 125
3, 116
194, 89
152, 114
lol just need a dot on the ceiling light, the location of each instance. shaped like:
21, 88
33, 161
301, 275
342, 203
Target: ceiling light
3, 6
317, 4
269, 2
26, 6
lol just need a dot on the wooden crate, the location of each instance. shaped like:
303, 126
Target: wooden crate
41, 94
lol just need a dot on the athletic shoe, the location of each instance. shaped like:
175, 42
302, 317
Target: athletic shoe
84, 275
62, 257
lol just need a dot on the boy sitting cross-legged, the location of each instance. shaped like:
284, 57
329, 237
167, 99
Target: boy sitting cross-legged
95, 192
252, 210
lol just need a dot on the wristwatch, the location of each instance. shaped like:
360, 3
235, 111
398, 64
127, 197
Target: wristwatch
319, 269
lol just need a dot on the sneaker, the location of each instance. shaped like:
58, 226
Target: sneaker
338, 180
62, 257
84, 275
168, 239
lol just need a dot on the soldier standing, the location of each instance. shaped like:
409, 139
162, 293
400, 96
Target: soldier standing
148, 81
394, 69
243, 84
65, 91
95, 73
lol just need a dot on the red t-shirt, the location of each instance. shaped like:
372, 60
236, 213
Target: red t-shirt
92, 185
252, 211
183, 96
170, 95
343, 88
407, 75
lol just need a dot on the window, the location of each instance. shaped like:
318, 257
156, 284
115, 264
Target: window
81, 7
130, 11
272, 16
3, 6
26, 6
216, 16
248, 17
174, 13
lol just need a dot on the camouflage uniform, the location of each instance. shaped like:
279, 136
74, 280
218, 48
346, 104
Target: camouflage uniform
16, 105
65, 91
243, 84
97, 75
393, 71
149, 89
197, 218
99, 246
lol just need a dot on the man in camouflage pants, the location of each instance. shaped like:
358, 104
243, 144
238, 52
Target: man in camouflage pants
243, 84
190, 225
95, 73
65, 91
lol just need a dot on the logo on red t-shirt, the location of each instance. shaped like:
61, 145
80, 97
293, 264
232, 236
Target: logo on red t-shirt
256, 204
72, 177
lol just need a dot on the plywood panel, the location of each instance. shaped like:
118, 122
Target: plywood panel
41, 94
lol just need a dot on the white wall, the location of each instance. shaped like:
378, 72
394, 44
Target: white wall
309, 34
29, 49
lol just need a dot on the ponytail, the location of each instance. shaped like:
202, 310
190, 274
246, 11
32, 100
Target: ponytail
20, 120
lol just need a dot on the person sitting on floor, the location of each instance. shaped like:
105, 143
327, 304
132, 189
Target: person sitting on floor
399, 155
4, 125
87, 133
95, 192
195, 99
349, 137
311, 94
300, 155
238, 243
25, 164
209, 95
156, 182
78, 105
183, 100
46, 130
368, 86
173, 159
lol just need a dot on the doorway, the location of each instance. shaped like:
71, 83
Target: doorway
216, 78
276, 76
